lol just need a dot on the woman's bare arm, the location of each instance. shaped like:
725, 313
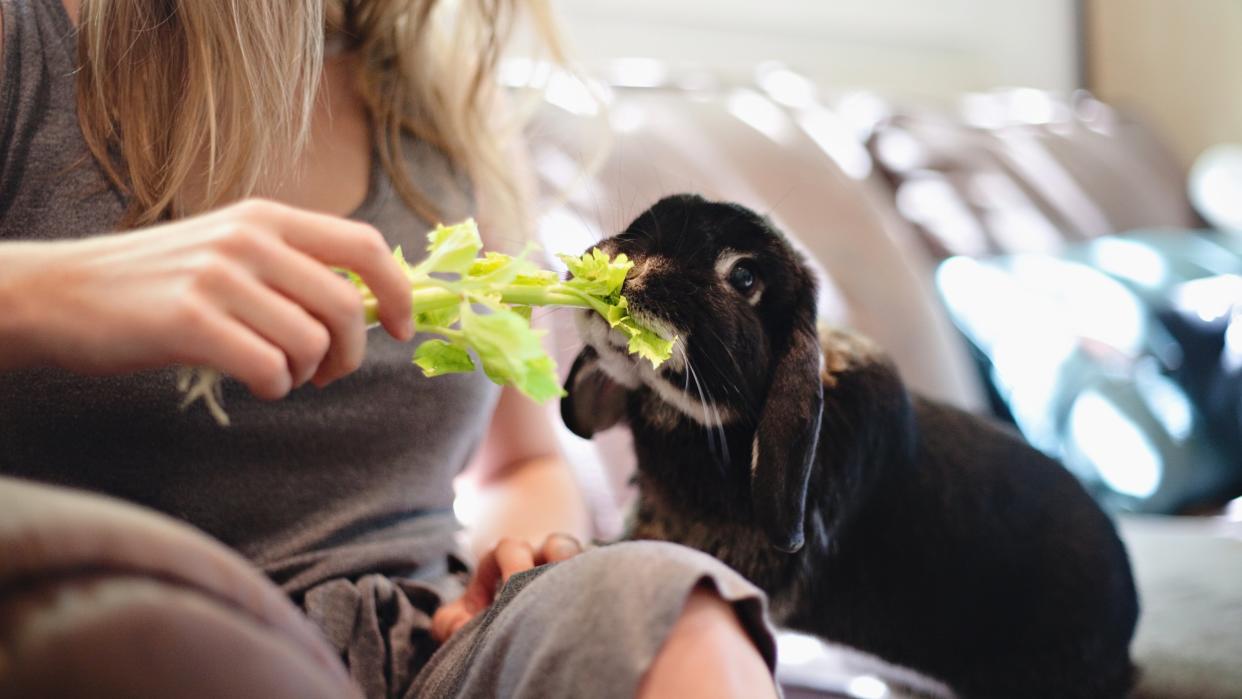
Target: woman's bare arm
523, 488
526, 499
246, 289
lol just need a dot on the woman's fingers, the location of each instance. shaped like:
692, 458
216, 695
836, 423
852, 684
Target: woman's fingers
291, 250
509, 557
286, 325
246, 289
448, 619
483, 583
212, 338
514, 556
506, 559
323, 294
558, 547
355, 246
460, 621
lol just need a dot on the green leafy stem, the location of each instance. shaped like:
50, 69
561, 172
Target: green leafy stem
480, 306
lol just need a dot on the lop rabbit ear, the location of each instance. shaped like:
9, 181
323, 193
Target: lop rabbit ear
593, 402
787, 437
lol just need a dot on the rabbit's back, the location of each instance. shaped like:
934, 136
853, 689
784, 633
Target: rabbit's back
983, 562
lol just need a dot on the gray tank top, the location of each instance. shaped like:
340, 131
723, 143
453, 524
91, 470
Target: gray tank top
353, 478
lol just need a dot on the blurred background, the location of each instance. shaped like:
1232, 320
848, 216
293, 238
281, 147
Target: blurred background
1175, 61
1034, 206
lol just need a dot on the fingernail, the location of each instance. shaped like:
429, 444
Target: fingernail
564, 545
407, 331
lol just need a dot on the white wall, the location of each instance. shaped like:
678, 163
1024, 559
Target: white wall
1178, 64
922, 47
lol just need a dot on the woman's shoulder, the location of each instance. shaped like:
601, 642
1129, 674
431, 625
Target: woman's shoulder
37, 46
44, 162
41, 29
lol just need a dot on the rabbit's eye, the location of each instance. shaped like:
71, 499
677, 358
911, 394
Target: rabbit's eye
743, 277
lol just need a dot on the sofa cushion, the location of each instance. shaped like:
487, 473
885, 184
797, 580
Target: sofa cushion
1024, 171
1188, 571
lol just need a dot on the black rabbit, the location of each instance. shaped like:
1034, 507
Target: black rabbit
906, 528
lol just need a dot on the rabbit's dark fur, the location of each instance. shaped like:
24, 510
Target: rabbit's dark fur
874, 518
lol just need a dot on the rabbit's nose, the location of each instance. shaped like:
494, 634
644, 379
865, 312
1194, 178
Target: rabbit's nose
644, 271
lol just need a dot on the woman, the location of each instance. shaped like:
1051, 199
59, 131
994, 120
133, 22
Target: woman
134, 136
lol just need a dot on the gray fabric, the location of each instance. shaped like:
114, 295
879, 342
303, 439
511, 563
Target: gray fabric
587, 627
40, 189
1189, 575
351, 479
50, 535
111, 635
379, 625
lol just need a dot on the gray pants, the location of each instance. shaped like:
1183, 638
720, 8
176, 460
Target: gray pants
104, 599
589, 626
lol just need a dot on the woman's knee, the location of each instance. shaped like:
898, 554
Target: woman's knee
707, 653
594, 624
664, 576
631, 567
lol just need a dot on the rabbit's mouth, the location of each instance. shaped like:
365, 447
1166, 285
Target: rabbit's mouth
674, 382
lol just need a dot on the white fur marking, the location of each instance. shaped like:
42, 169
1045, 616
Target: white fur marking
692, 408
725, 262
616, 364
629, 371
724, 265
754, 455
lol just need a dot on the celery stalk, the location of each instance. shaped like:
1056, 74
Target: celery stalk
501, 338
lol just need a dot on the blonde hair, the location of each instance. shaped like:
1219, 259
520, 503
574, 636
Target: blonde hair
219, 94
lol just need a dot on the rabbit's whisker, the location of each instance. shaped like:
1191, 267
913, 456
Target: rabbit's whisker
737, 368
729, 379
727, 382
711, 414
716, 425
692, 374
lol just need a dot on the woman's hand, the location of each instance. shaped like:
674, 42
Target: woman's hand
245, 289
510, 556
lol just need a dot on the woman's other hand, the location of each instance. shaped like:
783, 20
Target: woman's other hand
245, 289
507, 558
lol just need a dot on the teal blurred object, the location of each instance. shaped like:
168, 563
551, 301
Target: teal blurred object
1121, 356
